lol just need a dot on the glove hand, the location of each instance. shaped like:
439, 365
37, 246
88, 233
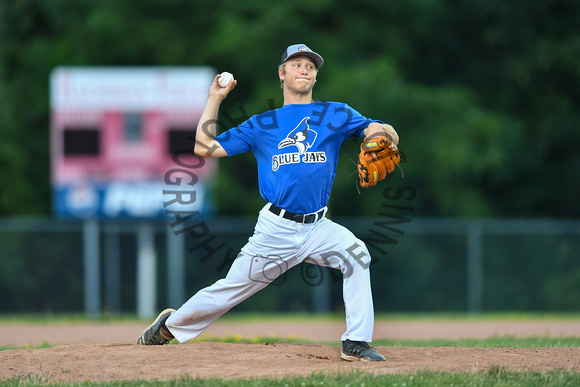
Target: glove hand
377, 158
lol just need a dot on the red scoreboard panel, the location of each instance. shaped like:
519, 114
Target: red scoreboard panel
117, 132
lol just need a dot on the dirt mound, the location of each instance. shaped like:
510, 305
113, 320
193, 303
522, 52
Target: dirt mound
105, 352
106, 362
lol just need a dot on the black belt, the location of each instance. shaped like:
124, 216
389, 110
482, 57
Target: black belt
300, 218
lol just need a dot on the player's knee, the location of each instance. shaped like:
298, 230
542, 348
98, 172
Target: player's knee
359, 252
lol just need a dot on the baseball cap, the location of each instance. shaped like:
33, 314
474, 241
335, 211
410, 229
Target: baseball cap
299, 50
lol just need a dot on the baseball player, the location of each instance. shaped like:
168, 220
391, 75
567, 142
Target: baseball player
296, 148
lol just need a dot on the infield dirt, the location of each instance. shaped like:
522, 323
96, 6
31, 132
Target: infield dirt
104, 352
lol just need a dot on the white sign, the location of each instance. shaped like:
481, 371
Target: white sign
129, 88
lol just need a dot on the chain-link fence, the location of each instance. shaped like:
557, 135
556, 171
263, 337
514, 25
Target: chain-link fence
456, 265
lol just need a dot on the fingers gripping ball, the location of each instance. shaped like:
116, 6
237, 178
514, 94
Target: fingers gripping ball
377, 158
225, 78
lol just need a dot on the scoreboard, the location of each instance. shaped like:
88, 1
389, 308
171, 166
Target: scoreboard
117, 131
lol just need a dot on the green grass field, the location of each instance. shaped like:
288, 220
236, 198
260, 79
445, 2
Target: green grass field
495, 376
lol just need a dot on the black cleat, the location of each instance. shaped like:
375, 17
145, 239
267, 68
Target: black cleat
359, 350
157, 333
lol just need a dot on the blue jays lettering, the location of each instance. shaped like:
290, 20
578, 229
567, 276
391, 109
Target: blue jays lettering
303, 138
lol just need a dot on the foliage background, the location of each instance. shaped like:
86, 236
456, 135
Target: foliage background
484, 94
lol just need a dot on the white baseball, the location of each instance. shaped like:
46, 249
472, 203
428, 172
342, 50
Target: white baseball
225, 78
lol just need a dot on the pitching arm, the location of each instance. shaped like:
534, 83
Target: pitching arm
205, 143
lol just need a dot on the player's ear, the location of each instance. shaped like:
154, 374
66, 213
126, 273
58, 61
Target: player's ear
281, 74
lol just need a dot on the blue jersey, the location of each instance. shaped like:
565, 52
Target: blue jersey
296, 148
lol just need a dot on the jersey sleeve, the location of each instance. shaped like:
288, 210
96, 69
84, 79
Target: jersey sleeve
354, 122
238, 139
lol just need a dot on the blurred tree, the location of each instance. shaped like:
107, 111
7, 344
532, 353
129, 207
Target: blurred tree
522, 60
484, 93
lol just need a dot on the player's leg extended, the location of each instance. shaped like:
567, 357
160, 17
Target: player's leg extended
200, 311
336, 247
262, 260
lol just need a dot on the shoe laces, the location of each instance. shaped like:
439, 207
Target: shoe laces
359, 347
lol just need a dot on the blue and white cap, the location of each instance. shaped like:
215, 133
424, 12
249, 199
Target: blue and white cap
302, 50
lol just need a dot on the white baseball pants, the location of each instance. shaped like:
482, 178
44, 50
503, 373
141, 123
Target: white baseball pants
277, 245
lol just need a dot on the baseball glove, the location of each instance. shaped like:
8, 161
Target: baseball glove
377, 158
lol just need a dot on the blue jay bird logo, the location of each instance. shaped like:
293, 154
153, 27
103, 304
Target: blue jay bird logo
302, 137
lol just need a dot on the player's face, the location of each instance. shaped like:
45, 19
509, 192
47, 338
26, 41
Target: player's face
299, 74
